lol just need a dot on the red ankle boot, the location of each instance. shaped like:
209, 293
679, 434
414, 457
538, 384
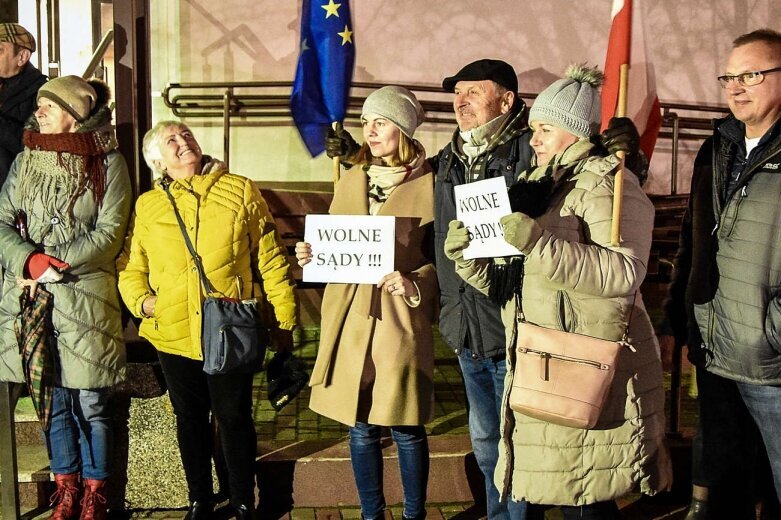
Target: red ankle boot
66, 499
93, 505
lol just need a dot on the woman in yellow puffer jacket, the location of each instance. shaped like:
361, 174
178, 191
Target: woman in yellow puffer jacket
233, 232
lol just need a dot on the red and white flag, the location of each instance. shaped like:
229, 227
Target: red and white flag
627, 45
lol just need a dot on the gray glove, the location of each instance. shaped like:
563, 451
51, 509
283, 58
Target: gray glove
456, 241
521, 231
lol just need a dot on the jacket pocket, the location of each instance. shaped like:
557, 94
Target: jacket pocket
703, 315
730, 216
566, 314
773, 320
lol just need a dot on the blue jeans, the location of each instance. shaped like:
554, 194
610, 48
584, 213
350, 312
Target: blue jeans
764, 405
366, 457
484, 383
80, 435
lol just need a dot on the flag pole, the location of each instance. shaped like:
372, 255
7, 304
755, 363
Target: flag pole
618, 189
337, 164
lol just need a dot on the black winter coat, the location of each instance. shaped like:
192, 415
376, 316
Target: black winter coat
468, 319
17, 104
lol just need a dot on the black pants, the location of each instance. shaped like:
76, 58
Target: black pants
597, 511
725, 448
229, 397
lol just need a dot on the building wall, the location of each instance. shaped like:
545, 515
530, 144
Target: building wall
419, 43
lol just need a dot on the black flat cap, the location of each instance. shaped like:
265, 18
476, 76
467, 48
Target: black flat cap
498, 71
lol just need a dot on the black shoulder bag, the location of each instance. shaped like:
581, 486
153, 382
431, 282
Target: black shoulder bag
233, 337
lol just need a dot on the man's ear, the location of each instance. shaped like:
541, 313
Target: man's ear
507, 101
24, 57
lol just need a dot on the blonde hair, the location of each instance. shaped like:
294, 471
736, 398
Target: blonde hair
405, 154
151, 144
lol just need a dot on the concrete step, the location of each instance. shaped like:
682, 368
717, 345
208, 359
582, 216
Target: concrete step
34, 477
28, 429
319, 473
32, 458
307, 473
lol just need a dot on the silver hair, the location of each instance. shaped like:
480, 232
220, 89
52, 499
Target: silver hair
151, 144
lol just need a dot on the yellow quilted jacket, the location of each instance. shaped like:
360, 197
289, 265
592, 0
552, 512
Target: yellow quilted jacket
231, 228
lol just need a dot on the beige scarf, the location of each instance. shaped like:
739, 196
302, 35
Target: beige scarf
384, 179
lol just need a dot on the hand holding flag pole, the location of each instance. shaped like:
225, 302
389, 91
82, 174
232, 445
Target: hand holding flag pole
324, 73
618, 188
614, 92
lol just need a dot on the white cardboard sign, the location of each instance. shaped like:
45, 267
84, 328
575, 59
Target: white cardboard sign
349, 248
480, 205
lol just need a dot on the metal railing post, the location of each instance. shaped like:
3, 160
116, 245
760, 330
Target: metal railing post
8, 466
226, 123
674, 165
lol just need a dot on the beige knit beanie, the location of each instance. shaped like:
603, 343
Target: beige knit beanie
72, 93
571, 103
396, 104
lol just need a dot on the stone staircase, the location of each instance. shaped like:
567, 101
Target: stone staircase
32, 458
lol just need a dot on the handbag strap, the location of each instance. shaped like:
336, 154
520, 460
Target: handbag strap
207, 286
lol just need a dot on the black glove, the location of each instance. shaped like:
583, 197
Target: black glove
281, 340
287, 376
621, 135
339, 143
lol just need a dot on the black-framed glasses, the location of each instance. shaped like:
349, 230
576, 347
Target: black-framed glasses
746, 79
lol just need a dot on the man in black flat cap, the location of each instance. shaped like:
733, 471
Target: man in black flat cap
492, 140
19, 84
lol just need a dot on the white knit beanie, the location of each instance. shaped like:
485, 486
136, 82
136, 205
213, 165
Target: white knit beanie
571, 103
396, 104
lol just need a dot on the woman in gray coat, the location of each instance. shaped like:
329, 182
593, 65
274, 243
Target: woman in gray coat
74, 188
572, 278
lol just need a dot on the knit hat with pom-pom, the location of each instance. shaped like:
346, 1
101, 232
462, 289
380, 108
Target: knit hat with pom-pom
571, 103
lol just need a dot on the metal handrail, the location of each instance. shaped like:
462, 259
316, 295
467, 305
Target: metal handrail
97, 56
254, 101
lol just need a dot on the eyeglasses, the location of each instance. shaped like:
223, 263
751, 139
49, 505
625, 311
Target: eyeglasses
747, 79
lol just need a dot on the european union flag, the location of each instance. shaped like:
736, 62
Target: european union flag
325, 70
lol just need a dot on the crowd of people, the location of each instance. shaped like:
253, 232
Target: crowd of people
73, 246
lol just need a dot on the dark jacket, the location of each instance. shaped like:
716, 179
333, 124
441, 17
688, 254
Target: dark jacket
729, 258
17, 104
468, 319
695, 276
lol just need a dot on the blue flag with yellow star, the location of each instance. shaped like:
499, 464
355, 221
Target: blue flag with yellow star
325, 70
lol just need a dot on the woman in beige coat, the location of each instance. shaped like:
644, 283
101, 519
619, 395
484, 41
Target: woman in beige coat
374, 367
573, 279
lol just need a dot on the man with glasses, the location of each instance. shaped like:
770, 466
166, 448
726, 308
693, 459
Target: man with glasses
725, 298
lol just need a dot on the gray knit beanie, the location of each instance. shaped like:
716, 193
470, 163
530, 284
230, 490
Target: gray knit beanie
571, 103
72, 93
396, 104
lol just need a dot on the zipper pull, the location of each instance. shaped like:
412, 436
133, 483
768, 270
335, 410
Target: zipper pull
715, 228
545, 372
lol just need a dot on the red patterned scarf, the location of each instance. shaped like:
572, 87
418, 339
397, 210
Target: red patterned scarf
91, 146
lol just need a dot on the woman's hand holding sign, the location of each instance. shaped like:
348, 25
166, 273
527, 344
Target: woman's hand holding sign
303, 253
397, 284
